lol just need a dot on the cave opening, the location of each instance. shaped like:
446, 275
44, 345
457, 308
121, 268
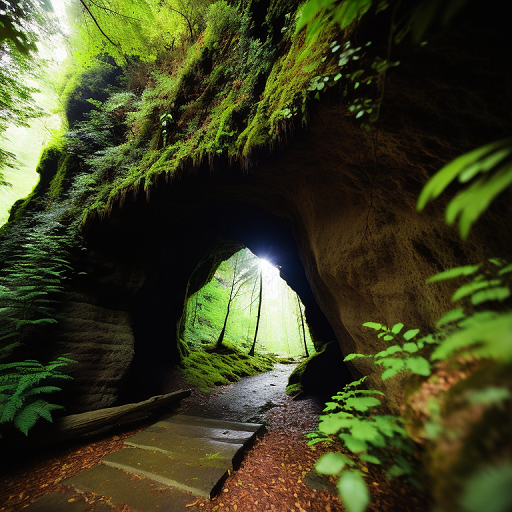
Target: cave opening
222, 228
248, 303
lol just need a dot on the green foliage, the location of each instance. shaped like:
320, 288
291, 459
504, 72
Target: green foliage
20, 392
398, 357
345, 14
209, 369
22, 24
489, 489
489, 170
128, 28
34, 268
280, 330
482, 325
372, 439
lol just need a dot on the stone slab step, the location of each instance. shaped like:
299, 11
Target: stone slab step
117, 487
216, 434
195, 450
198, 421
66, 502
201, 480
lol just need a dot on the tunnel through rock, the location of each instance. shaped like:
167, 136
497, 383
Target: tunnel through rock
148, 268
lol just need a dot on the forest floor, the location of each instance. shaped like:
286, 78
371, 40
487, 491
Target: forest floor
275, 475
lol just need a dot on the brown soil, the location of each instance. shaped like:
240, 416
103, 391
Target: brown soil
271, 476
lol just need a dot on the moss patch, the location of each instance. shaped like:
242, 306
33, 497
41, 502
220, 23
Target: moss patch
209, 369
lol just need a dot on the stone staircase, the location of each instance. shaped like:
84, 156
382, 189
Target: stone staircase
163, 468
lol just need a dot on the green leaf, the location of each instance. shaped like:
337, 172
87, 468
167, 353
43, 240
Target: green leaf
453, 273
469, 288
366, 457
394, 471
362, 403
333, 423
418, 365
397, 328
472, 202
438, 183
373, 325
452, 316
353, 356
505, 270
499, 293
410, 347
366, 431
330, 406
393, 367
331, 463
490, 396
388, 337
353, 491
488, 488
353, 444
410, 334
389, 425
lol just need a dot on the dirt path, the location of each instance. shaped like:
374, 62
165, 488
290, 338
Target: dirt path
248, 399
272, 476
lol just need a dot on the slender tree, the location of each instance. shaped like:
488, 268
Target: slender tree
251, 352
302, 321
244, 272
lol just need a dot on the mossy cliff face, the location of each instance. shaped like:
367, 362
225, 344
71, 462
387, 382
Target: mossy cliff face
241, 147
347, 195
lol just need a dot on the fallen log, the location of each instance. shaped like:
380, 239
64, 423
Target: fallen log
94, 422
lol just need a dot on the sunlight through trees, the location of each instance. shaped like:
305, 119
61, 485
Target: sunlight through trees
243, 290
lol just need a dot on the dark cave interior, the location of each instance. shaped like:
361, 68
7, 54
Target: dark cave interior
159, 305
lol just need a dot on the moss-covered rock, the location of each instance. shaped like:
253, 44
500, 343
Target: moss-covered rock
322, 374
462, 415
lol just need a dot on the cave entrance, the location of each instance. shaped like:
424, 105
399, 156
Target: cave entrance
247, 305
188, 250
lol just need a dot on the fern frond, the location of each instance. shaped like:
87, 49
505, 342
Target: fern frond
9, 386
10, 408
40, 321
42, 389
27, 418
8, 349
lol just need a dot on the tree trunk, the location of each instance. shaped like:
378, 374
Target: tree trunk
251, 352
221, 335
303, 329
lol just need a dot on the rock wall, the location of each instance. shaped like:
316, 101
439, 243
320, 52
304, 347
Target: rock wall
101, 341
348, 197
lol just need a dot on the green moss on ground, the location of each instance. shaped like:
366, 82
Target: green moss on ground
209, 369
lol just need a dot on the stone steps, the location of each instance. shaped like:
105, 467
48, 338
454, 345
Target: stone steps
165, 467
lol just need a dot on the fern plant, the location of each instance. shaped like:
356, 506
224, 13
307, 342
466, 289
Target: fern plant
21, 394
30, 287
372, 438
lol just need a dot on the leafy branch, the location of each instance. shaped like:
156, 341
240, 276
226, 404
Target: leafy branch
399, 357
372, 439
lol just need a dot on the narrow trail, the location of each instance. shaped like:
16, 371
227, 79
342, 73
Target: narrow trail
276, 473
248, 399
